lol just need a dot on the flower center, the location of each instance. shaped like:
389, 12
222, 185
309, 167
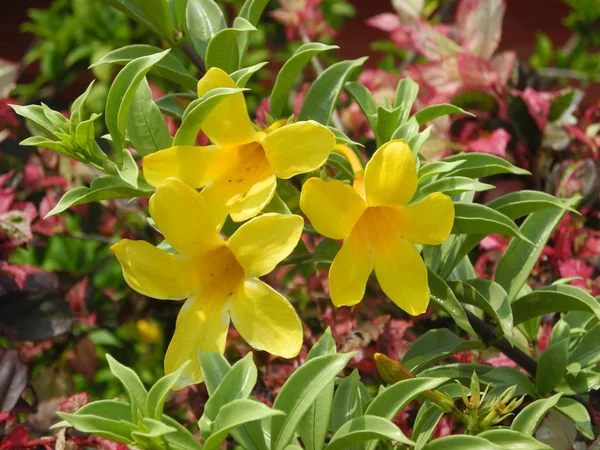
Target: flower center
220, 274
247, 165
378, 227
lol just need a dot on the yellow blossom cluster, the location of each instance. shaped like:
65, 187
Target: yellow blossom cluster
219, 278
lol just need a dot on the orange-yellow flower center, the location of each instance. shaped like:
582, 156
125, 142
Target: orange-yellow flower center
246, 165
220, 273
378, 227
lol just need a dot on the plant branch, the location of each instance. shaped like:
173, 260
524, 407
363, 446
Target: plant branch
194, 57
488, 334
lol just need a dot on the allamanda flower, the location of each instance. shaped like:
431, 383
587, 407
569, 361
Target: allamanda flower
379, 228
239, 171
219, 278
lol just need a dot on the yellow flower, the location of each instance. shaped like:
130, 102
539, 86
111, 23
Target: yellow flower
239, 171
379, 228
219, 278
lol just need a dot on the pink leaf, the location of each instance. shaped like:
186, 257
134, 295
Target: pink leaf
480, 24
537, 106
494, 144
386, 22
476, 73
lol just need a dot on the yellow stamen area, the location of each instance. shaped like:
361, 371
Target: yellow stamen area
377, 227
220, 274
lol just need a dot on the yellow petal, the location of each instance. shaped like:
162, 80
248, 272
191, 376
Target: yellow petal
195, 166
428, 221
228, 123
200, 325
254, 200
402, 276
391, 175
350, 271
298, 148
332, 207
266, 320
184, 218
263, 242
154, 272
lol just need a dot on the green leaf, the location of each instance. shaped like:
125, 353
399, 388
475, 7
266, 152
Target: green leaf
121, 95
204, 19
488, 296
237, 383
58, 121
169, 67
341, 138
102, 188
115, 430
197, 111
133, 385
364, 429
174, 104
289, 73
520, 257
214, 367
550, 299
462, 442
392, 400
77, 108
407, 131
427, 419
432, 112
35, 114
532, 415
511, 439
477, 100
586, 352
578, 414
252, 10
319, 102
159, 392
416, 142
433, 346
341, 163
39, 141
406, 94
364, 99
299, 392
157, 12
85, 135
223, 51
521, 203
505, 377
348, 402
155, 429
146, 128
242, 76
473, 218
387, 123
182, 439
451, 186
111, 409
480, 165
397, 396
315, 423
551, 366
559, 105
436, 168
234, 414
444, 298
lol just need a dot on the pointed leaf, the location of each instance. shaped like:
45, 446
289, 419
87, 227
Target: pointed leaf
169, 67
160, 391
204, 19
432, 112
551, 366
289, 73
480, 165
299, 392
532, 415
510, 439
365, 429
138, 395
121, 95
223, 51
323, 93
